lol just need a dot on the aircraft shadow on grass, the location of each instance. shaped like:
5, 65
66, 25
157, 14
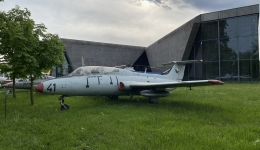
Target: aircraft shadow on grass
175, 106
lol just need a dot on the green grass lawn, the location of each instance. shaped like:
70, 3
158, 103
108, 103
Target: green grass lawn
215, 117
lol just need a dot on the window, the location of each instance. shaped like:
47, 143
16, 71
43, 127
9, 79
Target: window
248, 25
229, 49
210, 30
228, 28
210, 50
248, 47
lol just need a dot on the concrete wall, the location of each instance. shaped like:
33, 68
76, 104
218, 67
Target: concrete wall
100, 54
247, 10
173, 46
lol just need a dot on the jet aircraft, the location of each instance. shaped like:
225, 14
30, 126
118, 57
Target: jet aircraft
26, 84
4, 79
22, 84
113, 82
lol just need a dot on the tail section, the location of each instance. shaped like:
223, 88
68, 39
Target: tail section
177, 71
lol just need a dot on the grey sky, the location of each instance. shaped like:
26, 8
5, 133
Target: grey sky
129, 22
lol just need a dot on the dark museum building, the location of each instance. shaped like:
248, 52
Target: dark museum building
226, 41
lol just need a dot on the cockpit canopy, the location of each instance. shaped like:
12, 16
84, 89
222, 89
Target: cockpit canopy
93, 70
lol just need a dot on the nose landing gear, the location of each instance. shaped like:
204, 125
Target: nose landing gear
63, 105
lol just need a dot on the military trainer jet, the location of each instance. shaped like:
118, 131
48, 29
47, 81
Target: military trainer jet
3, 78
112, 82
20, 84
26, 84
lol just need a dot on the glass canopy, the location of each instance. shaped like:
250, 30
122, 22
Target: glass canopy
93, 70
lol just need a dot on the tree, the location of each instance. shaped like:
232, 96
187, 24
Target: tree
15, 36
48, 53
27, 47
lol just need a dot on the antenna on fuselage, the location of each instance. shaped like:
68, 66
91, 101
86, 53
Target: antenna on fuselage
82, 61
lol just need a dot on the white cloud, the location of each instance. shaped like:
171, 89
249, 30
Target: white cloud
130, 22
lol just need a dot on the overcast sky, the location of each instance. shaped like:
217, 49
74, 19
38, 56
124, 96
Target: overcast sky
128, 22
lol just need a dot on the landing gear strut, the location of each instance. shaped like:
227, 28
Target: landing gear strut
63, 106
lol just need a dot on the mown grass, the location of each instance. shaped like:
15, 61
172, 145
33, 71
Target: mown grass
216, 117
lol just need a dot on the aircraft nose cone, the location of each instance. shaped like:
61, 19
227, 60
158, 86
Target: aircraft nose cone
39, 88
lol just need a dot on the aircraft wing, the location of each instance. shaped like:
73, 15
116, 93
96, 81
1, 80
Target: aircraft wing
124, 86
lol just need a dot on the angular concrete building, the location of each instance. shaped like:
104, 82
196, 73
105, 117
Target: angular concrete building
226, 40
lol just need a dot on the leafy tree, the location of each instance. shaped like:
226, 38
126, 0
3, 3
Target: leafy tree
26, 46
15, 34
48, 52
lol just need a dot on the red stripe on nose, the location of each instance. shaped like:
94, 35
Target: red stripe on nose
39, 88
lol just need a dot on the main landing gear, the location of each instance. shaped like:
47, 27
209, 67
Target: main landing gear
153, 100
63, 106
113, 97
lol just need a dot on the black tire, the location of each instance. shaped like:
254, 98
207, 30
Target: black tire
153, 101
113, 97
64, 107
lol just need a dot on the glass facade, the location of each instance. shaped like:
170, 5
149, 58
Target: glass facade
61, 70
142, 63
229, 49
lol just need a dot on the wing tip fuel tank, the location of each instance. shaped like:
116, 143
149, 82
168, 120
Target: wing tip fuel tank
39, 88
216, 82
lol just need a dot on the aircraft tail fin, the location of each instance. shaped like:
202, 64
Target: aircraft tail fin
177, 71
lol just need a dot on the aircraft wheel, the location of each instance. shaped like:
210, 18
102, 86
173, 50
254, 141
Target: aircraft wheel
153, 100
64, 107
114, 97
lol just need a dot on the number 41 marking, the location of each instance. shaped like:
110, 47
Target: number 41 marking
50, 88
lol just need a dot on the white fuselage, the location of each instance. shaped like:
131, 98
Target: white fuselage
101, 84
111, 81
